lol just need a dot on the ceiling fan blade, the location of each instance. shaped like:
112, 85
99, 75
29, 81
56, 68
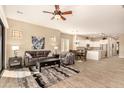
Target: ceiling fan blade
63, 18
57, 7
48, 12
66, 12
52, 17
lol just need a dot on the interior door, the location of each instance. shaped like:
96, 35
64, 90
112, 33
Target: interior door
64, 45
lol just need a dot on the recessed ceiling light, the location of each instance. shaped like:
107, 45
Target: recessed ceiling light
20, 12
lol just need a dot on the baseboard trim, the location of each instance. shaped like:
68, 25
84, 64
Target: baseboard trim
121, 56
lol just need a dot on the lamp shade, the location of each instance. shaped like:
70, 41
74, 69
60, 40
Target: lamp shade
55, 47
15, 47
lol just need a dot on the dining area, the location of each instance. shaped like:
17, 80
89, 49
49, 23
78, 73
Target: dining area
85, 54
80, 54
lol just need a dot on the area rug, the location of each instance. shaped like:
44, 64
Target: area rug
52, 74
18, 78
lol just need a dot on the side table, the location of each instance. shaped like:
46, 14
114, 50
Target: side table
14, 61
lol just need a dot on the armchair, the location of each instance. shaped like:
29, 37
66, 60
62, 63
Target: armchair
67, 58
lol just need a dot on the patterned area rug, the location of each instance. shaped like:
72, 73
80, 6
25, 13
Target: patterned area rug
53, 74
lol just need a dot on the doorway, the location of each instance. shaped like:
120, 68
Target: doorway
117, 48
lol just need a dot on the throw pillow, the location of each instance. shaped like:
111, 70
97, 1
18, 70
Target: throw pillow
28, 55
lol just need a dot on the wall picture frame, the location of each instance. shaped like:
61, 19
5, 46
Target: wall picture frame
38, 42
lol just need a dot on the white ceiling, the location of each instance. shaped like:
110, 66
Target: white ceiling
89, 19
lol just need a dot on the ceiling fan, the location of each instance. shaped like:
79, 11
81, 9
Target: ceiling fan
57, 14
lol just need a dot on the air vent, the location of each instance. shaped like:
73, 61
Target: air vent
19, 12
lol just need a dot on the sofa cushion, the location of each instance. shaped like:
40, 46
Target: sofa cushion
41, 58
33, 59
33, 54
37, 54
40, 54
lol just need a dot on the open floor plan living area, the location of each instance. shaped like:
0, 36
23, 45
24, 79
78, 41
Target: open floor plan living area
61, 46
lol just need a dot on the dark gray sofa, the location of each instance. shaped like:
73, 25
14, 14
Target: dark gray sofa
31, 57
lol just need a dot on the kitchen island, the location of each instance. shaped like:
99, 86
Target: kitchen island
96, 54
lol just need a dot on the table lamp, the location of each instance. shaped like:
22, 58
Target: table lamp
15, 49
55, 48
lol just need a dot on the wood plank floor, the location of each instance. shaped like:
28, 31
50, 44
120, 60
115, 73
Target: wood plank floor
106, 73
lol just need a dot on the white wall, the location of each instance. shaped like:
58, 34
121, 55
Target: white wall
27, 31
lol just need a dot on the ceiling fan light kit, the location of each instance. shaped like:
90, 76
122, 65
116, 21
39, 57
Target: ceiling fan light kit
57, 14
57, 17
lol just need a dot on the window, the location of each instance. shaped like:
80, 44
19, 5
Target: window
15, 34
64, 44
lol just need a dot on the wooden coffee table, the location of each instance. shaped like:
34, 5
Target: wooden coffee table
47, 62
